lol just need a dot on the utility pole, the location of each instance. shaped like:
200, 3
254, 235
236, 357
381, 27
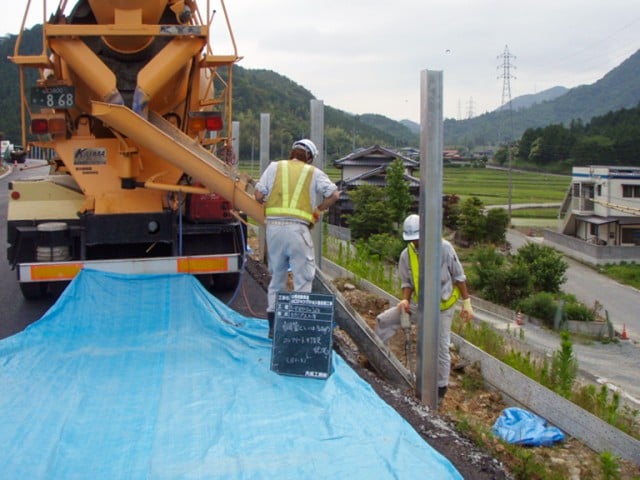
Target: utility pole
506, 100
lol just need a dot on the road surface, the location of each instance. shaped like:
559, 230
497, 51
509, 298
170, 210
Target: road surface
616, 364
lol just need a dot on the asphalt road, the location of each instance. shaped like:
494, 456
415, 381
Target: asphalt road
614, 364
620, 301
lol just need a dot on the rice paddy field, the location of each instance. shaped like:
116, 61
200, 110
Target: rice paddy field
491, 186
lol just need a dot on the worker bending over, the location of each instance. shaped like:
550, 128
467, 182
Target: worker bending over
453, 286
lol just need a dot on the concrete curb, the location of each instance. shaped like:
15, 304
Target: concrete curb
570, 418
589, 429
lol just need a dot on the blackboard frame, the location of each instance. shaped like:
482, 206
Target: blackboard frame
303, 334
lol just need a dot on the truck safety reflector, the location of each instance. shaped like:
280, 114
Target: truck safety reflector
59, 271
51, 272
201, 265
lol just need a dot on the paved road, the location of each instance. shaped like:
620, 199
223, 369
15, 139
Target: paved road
616, 364
620, 301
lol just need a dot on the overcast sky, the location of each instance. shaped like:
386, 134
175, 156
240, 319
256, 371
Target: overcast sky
366, 56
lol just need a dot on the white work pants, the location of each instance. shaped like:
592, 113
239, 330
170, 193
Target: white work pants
388, 322
289, 245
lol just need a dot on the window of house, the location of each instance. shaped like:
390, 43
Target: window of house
593, 229
631, 191
599, 190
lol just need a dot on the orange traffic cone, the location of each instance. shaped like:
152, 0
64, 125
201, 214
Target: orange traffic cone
624, 335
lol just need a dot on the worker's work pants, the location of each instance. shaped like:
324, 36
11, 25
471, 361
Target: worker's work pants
388, 322
289, 245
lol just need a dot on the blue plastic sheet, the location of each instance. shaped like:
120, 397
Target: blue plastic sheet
151, 377
521, 427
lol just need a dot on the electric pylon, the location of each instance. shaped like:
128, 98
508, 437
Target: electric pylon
506, 99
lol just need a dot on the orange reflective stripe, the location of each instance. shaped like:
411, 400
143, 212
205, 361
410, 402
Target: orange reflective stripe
196, 265
55, 272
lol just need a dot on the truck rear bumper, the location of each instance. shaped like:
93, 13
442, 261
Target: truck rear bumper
65, 271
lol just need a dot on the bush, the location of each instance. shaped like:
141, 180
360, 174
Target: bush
579, 311
387, 246
541, 305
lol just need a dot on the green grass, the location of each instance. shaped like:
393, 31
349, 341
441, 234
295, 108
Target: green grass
489, 185
492, 186
551, 213
626, 273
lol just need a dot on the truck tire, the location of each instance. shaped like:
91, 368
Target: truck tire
33, 290
226, 281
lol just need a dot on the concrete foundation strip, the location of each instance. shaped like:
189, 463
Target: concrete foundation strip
570, 418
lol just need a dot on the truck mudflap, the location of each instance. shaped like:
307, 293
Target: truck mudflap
65, 271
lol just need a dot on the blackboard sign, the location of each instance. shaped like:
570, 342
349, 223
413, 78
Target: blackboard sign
302, 335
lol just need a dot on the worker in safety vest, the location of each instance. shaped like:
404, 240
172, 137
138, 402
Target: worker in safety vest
295, 194
453, 286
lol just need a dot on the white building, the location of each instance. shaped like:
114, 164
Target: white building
599, 220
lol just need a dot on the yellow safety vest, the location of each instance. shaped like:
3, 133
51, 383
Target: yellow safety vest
415, 267
290, 195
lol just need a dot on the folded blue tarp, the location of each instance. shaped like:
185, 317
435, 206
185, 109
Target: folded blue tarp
521, 427
132, 377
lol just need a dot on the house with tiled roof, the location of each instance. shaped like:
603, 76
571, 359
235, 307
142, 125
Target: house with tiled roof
369, 166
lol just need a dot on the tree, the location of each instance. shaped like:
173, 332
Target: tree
496, 225
397, 191
371, 214
472, 222
547, 267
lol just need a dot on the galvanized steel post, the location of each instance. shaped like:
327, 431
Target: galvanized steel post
431, 141
265, 129
317, 137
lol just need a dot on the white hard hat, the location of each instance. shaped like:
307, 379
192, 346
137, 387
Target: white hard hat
411, 227
306, 145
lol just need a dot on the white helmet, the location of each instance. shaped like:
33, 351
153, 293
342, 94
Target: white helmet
411, 227
307, 145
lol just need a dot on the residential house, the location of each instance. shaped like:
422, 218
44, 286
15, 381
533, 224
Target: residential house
599, 220
368, 166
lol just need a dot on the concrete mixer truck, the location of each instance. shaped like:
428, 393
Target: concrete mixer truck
133, 104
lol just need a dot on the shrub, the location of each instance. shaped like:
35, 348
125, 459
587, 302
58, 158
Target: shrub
387, 246
579, 311
541, 305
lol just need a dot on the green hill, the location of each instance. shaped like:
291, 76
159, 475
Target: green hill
265, 91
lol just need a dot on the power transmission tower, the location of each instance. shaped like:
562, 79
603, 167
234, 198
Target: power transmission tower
506, 75
470, 108
506, 99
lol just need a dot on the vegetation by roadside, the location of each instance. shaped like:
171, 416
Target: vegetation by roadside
473, 408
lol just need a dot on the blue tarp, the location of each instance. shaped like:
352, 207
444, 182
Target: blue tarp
518, 426
151, 377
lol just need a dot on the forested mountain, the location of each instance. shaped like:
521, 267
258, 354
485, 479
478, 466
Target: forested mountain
265, 91
618, 89
254, 92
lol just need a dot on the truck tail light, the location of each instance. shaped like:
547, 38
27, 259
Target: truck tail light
210, 121
51, 125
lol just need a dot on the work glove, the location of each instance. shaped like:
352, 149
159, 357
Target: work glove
317, 215
467, 311
403, 306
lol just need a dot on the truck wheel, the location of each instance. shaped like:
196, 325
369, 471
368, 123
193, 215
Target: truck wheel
226, 281
33, 290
